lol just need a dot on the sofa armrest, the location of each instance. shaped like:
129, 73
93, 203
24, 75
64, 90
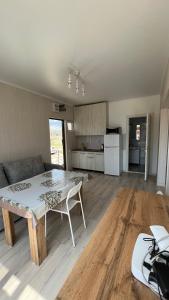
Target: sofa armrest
50, 166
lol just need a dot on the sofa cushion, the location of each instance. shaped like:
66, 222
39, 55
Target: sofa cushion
50, 166
18, 170
3, 179
23, 169
38, 165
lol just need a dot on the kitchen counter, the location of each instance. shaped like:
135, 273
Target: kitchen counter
90, 159
88, 150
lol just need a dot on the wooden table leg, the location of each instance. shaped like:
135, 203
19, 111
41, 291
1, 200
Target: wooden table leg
82, 194
37, 241
8, 226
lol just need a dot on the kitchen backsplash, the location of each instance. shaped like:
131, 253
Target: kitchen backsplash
90, 142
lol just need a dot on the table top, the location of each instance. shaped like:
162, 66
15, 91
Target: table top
40, 193
104, 268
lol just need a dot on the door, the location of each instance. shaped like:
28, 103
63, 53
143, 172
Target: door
57, 142
138, 144
134, 156
147, 147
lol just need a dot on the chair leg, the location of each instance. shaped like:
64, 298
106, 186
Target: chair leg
71, 230
84, 222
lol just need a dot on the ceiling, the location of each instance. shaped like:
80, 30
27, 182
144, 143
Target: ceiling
120, 47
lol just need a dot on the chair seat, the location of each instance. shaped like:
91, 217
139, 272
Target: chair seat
61, 207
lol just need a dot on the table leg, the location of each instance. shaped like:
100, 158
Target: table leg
37, 241
82, 194
8, 226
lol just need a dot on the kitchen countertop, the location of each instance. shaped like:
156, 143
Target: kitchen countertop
88, 150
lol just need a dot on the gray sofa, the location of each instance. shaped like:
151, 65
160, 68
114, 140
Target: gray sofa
15, 171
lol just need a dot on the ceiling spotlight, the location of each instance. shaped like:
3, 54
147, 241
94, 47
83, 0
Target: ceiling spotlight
83, 90
77, 85
75, 74
69, 81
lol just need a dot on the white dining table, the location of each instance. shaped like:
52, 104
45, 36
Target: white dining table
31, 199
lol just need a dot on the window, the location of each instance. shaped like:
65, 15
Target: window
57, 142
70, 126
137, 132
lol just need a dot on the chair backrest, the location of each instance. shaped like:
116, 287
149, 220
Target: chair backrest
74, 190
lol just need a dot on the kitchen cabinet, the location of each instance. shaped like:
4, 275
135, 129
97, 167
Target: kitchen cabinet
83, 159
90, 161
79, 122
99, 162
98, 119
76, 160
93, 161
90, 119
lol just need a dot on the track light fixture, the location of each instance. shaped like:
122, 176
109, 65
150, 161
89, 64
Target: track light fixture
78, 81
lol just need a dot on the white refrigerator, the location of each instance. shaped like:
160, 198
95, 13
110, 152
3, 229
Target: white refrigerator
112, 154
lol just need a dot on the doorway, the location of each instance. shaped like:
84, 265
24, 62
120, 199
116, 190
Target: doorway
138, 144
57, 142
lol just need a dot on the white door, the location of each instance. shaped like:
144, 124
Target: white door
147, 147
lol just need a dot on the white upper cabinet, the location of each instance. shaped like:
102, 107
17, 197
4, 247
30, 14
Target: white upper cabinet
90, 119
79, 120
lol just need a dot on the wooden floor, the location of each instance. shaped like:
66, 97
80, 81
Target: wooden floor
21, 279
103, 271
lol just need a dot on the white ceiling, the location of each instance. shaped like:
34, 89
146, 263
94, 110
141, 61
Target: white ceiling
120, 46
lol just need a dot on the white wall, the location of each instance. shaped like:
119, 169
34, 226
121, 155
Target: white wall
24, 128
117, 116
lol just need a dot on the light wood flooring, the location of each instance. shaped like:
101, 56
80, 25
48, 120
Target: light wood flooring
21, 279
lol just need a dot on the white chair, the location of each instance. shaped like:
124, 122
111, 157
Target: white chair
66, 205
